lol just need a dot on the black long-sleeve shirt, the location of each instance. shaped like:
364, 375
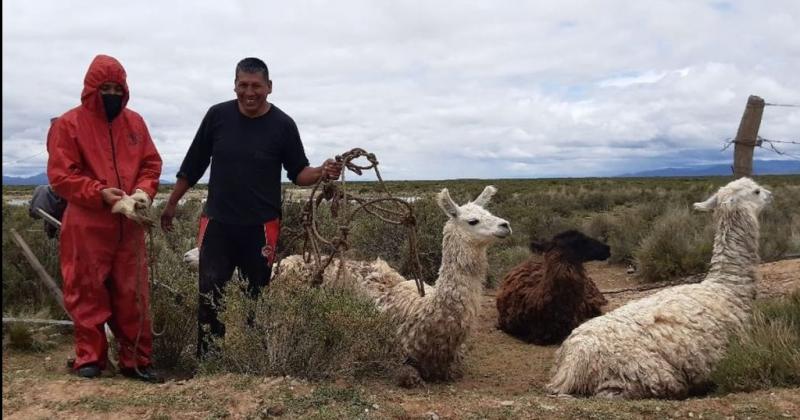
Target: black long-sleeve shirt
246, 155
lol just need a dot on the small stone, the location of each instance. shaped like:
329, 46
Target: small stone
506, 403
275, 410
375, 406
430, 415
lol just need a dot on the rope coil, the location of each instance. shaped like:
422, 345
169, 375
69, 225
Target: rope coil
335, 192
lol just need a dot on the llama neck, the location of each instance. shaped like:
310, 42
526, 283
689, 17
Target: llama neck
562, 274
735, 257
461, 275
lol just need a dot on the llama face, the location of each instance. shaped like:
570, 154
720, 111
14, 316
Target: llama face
581, 246
472, 218
575, 245
741, 193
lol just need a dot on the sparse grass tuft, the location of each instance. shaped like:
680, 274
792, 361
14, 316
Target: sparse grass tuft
768, 353
29, 337
327, 395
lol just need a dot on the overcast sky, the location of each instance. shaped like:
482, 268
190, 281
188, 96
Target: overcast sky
436, 89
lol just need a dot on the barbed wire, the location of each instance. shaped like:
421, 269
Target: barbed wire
786, 105
779, 141
763, 143
771, 146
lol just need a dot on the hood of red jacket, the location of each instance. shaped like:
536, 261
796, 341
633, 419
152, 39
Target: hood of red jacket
103, 69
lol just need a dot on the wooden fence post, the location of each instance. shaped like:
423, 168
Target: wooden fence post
747, 136
37, 266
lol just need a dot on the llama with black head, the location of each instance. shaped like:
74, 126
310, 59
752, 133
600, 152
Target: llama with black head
541, 302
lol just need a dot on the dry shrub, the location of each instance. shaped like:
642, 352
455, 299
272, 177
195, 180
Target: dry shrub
22, 289
503, 259
678, 244
173, 306
430, 222
27, 338
623, 230
305, 332
778, 225
767, 354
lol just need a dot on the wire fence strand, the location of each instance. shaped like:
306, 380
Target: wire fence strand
784, 105
767, 144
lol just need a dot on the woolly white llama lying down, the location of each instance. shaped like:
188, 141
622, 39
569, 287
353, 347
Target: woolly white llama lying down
666, 345
431, 329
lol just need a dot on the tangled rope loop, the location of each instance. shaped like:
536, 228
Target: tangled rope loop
335, 192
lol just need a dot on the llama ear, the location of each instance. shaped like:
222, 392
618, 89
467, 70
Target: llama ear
707, 205
730, 201
447, 204
485, 196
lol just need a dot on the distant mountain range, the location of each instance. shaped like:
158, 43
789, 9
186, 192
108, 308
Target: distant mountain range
41, 179
760, 167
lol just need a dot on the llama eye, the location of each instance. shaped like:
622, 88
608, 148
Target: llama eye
473, 222
756, 192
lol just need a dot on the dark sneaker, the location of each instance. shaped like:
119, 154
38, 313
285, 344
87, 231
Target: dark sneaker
142, 374
89, 371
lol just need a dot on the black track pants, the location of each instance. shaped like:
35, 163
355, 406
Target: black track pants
225, 247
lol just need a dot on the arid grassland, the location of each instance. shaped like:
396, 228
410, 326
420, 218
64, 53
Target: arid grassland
333, 355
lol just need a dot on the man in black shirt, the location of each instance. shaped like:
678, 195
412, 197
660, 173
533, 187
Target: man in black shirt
248, 140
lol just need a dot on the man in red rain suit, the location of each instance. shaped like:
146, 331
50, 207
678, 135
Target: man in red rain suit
102, 160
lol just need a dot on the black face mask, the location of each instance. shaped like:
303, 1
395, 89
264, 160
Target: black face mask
113, 105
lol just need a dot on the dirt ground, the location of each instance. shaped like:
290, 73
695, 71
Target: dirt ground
503, 379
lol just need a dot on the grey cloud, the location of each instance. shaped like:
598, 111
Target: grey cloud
435, 90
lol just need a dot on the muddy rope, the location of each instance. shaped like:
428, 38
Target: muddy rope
389, 209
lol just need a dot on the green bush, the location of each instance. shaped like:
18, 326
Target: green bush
22, 289
430, 223
767, 354
678, 244
780, 225
304, 332
173, 298
623, 229
27, 337
501, 260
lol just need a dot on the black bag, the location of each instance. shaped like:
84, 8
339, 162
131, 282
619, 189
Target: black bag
46, 199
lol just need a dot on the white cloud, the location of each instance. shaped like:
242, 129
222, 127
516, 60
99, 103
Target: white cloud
467, 89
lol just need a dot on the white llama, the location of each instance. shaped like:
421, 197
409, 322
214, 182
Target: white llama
433, 328
666, 345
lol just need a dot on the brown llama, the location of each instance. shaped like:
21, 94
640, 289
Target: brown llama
541, 302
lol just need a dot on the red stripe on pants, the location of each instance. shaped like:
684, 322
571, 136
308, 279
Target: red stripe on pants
272, 230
